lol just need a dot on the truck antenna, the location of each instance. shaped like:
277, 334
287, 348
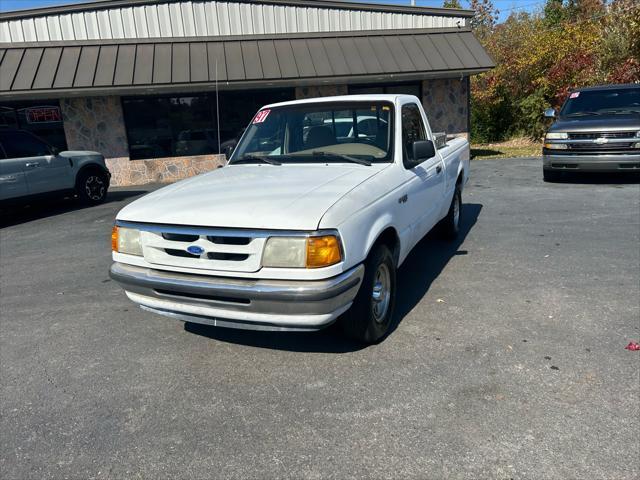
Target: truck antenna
217, 109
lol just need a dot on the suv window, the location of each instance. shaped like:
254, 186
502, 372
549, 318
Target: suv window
412, 129
23, 144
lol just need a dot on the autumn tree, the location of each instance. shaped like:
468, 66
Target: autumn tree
484, 18
541, 56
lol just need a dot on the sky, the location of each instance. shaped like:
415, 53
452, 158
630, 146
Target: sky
505, 6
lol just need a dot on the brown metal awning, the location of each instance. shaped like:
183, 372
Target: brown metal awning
116, 67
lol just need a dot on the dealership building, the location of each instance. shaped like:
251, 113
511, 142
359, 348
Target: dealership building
161, 87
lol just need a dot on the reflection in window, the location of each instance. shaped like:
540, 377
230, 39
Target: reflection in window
40, 117
396, 89
160, 127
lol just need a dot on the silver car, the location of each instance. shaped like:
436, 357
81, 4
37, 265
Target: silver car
30, 167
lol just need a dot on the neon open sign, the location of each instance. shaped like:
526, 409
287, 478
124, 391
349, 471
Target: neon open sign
43, 115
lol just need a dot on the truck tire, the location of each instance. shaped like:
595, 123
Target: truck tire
450, 225
92, 186
550, 175
369, 318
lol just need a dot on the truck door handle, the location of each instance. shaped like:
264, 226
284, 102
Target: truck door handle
438, 169
32, 164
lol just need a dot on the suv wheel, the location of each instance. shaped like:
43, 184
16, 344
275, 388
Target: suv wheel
369, 318
92, 187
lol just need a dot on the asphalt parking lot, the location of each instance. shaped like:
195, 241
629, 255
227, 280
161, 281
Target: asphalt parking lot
507, 361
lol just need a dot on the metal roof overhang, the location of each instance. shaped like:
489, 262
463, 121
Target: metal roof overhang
151, 66
95, 5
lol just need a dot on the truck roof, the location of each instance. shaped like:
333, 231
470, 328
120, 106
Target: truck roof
607, 87
345, 98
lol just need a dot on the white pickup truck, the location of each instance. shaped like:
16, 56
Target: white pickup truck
320, 203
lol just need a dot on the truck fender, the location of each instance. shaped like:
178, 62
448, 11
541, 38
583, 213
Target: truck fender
381, 224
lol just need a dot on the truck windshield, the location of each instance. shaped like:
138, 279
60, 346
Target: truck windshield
599, 102
359, 132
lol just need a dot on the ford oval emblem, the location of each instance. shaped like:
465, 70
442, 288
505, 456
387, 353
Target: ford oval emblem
195, 250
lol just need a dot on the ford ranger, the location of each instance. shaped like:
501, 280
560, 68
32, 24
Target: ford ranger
596, 130
320, 203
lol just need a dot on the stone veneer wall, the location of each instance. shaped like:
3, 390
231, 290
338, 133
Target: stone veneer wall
160, 170
97, 123
446, 102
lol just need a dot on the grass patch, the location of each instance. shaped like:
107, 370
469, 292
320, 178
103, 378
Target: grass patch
519, 147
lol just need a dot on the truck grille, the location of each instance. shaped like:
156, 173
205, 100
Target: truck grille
601, 147
594, 135
599, 142
222, 249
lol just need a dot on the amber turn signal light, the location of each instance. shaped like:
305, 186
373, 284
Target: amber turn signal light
323, 251
114, 238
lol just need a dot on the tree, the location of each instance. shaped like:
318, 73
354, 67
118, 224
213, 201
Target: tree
452, 4
541, 56
484, 18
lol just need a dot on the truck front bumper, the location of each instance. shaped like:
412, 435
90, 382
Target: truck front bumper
240, 303
625, 162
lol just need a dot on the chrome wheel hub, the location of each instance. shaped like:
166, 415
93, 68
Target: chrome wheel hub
381, 294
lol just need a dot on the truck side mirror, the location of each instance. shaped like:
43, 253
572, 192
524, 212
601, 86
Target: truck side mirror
550, 113
423, 150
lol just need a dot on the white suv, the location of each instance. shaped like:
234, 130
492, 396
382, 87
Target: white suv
30, 167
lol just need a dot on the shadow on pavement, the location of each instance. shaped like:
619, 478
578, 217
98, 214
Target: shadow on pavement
325, 341
26, 212
419, 270
592, 178
425, 262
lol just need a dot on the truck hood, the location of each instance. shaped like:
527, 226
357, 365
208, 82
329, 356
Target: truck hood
597, 123
284, 197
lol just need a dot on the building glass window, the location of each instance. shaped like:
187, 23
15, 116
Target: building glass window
40, 117
177, 126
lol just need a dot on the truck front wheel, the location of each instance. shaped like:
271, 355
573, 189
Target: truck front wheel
369, 318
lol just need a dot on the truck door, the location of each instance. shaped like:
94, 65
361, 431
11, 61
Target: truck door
43, 171
426, 180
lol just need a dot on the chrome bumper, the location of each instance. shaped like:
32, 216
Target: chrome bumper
625, 162
240, 303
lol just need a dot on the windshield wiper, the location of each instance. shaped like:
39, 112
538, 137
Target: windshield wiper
257, 158
340, 156
620, 110
577, 114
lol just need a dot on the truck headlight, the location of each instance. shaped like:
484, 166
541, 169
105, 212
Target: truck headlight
556, 146
557, 136
302, 252
126, 240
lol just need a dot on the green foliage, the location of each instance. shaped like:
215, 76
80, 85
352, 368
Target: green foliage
540, 57
452, 4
